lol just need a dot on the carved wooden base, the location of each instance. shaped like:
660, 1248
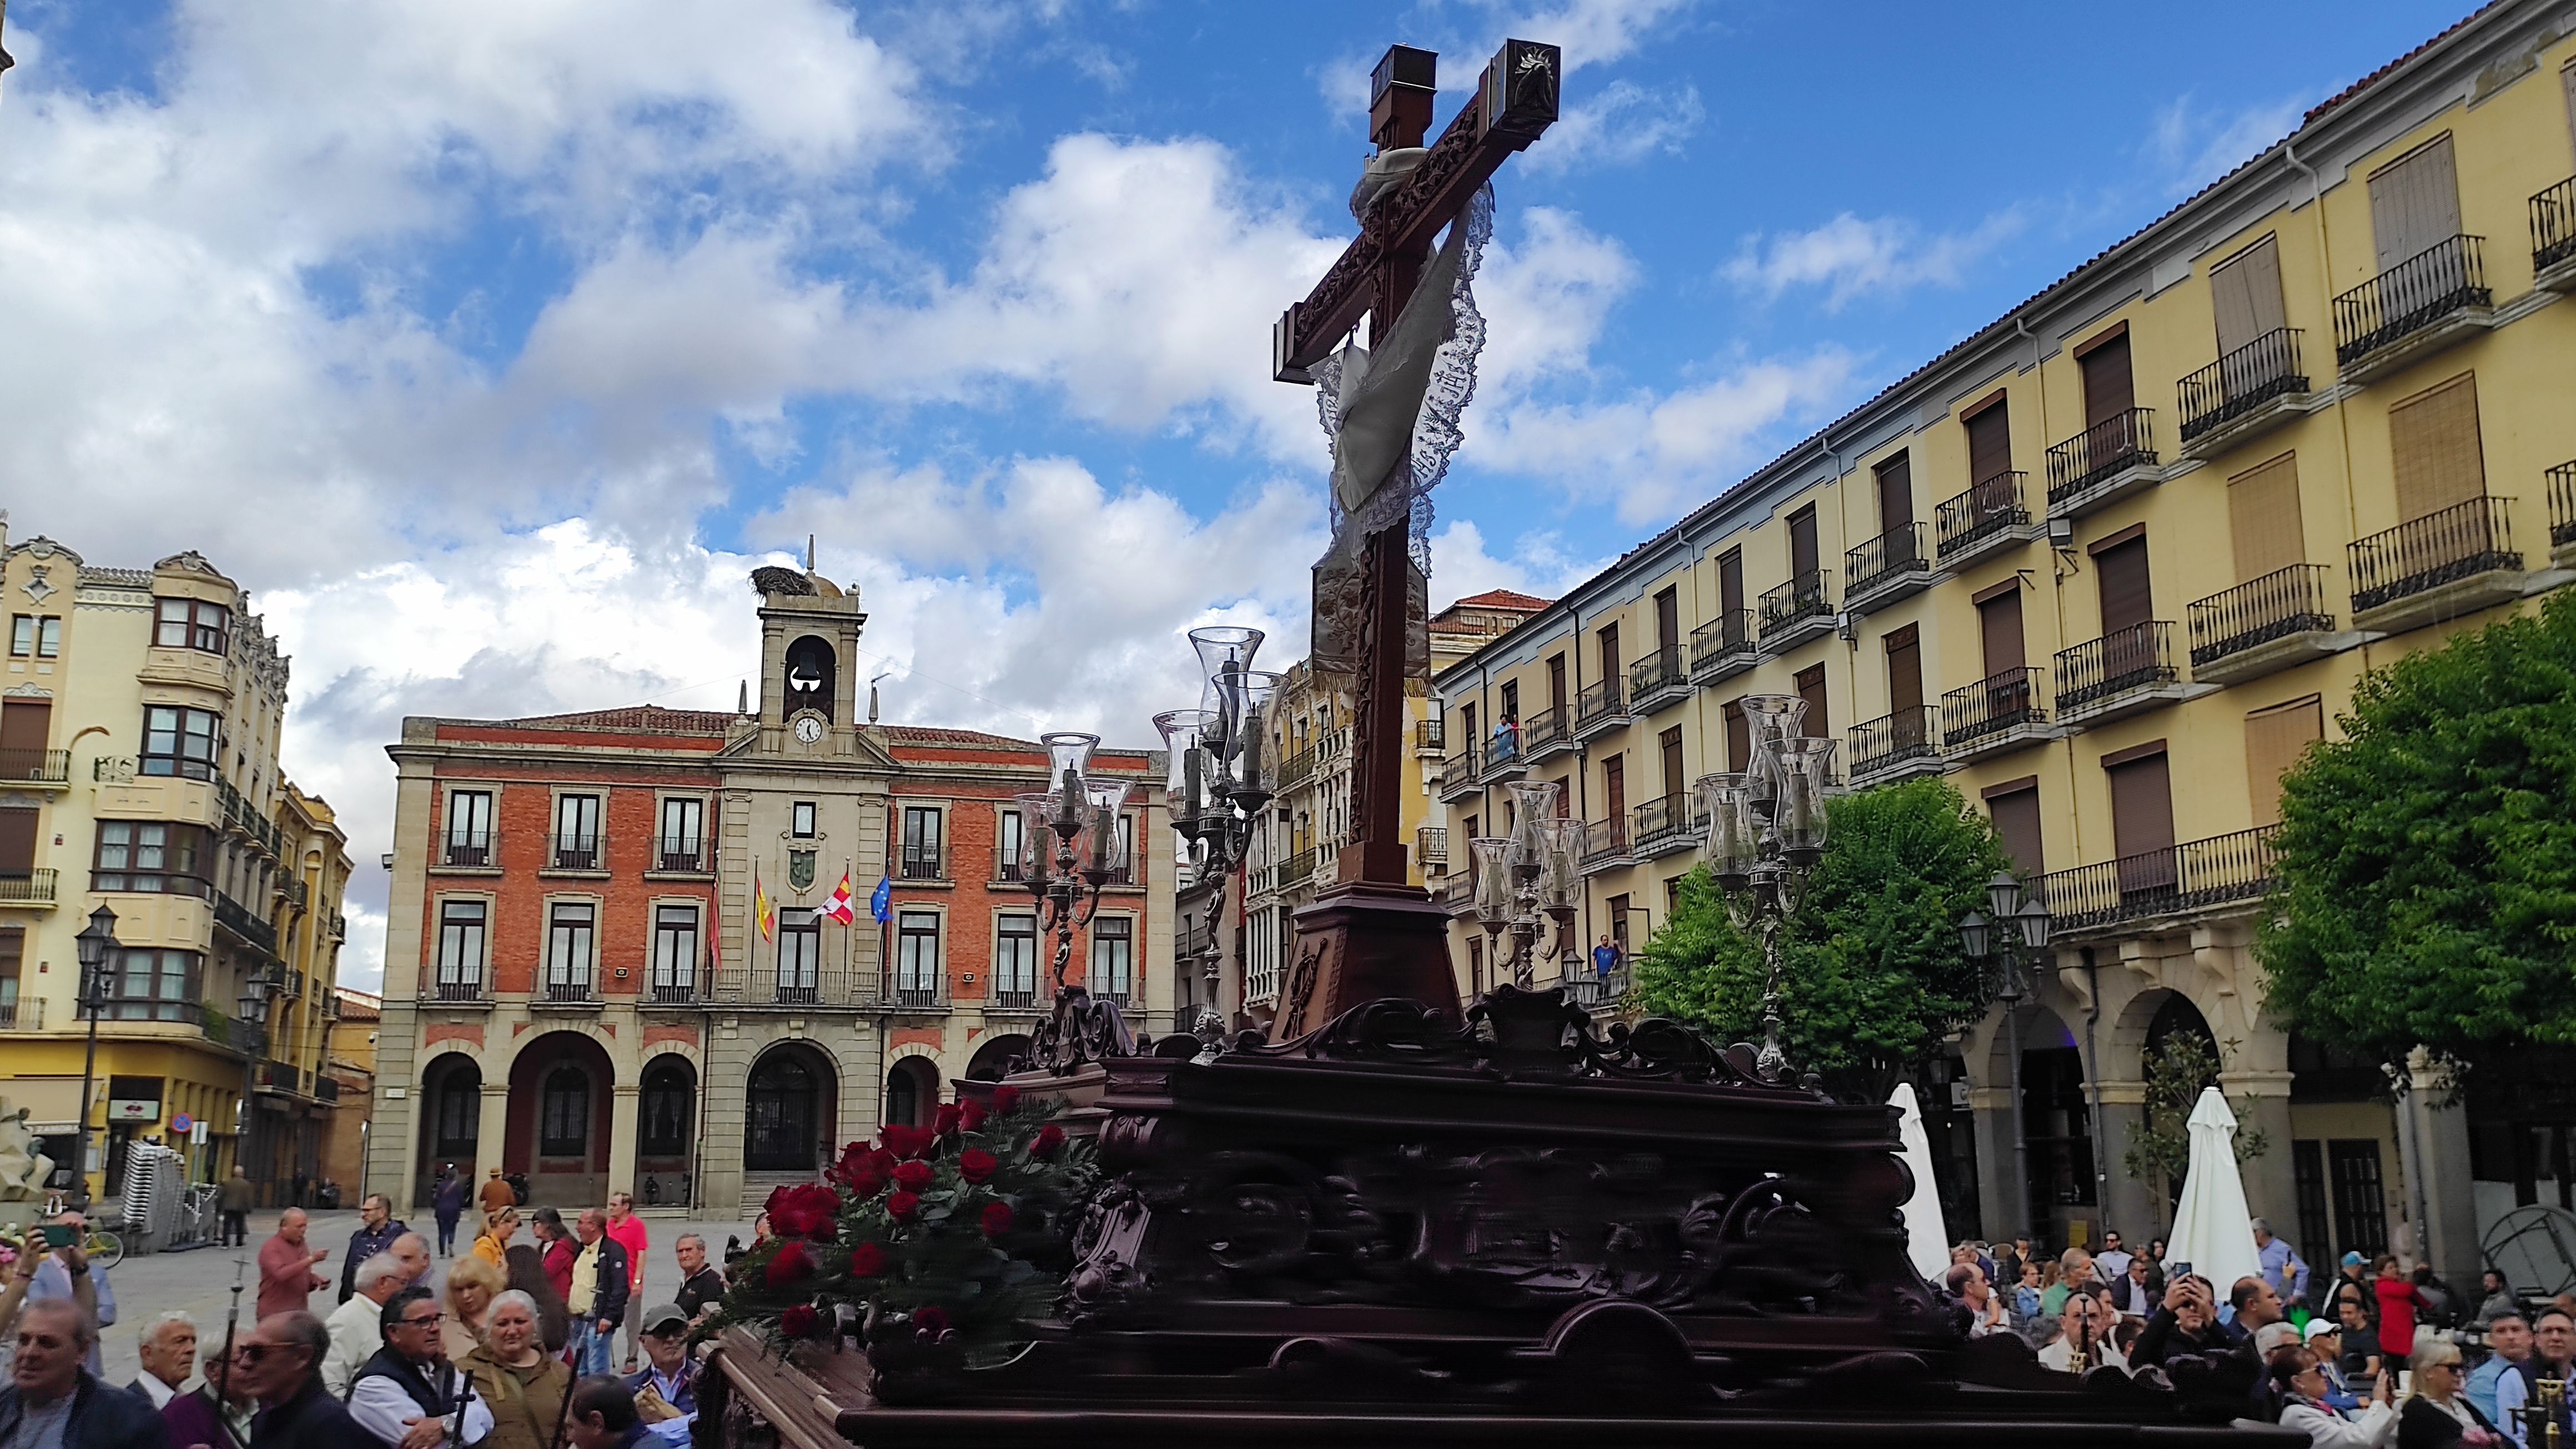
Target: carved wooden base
1362, 942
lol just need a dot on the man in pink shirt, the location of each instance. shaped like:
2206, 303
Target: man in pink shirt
628, 1230
286, 1276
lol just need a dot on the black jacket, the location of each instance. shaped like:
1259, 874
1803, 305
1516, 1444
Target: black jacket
704, 1287
2421, 1426
311, 1420
102, 1417
608, 1295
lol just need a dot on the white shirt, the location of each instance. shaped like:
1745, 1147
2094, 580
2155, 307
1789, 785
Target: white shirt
380, 1407
2112, 1266
158, 1392
2327, 1429
2060, 1357
356, 1329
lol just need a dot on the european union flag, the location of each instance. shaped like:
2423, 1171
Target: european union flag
881, 901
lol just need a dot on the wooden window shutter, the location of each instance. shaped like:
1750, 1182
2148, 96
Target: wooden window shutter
2414, 202
1668, 618
1802, 542
1739, 737
2245, 291
1895, 494
1614, 791
1999, 628
2108, 391
1904, 671
2016, 818
2121, 573
1989, 443
2141, 807
17, 841
2274, 740
26, 724
1669, 745
2433, 441
1556, 681
1610, 660
1730, 581
2263, 515
1811, 688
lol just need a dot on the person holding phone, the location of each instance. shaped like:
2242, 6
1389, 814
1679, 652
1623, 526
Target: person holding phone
2185, 1323
66, 1275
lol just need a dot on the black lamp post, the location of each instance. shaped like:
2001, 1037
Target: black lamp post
250, 1034
98, 953
2019, 926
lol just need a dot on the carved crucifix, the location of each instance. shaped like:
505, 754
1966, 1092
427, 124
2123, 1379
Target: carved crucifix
1373, 935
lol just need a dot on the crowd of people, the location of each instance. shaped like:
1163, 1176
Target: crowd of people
2374, 1356
512, 1346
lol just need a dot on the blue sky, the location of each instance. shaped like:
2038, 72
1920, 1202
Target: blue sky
490, 341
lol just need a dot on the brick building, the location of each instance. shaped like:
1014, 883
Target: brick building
577, 989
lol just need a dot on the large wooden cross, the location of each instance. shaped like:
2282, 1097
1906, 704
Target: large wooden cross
1373, 935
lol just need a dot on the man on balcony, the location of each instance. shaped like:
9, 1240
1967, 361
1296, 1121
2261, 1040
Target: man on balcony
1605, 959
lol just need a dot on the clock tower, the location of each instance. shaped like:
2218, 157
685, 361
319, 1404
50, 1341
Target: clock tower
809, 671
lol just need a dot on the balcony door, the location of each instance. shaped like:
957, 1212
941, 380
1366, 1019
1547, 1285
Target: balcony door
1669, 744
1905, 688
26, 727
17, 843
2263, 518
1668, 620
1614, 795
1802, 543
1730, 585
1989, 446
1895, 495
1556, 687
2109, 393
1999, 630
2142, 829
2245, 291
2414, 202
2128, 642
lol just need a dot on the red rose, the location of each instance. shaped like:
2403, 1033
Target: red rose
799, 1321
867, 1185
950, 1116
908, 1141
997, 1219
903, 1207
975, 1164
970, 1118
1049, 1142
867, 1261
805, 1210
1005, 1098
931, 1323
792, 1265
913, 1176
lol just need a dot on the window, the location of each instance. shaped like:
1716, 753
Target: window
179, 741
469, 828
1619, 925
683, 833
1006, 846
921, 843
675, 952
37, 635
192, 624
916, 962
800, 954
569, 928
800, 820
1113, 957
576, 832
2014, 807
667, 1108
1811, 688
460, 950
1015, 961
2433, 443
155, 986
1123, 871
151, 855
457, 1117
564, 1120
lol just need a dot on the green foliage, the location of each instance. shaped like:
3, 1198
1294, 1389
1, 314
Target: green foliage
2177, 1073
2428, 860
1873, 975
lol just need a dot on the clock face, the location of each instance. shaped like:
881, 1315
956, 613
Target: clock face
809, 729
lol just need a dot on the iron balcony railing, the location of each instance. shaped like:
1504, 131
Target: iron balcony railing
1543, 730
674, 993
1731, 632
294, 890
1989, 508
1882, 743
1297, 769
1657, 671
31, 887
2468, 538
1591, 990
239, 919
683, 857
2116, 444
2281, 603
26, 1013
918, 996
48, 767
2553, 225
1431, 844
326, 1089
2136, 657
1660, 820
1014, 1000
571, 992
2191, 876
576, 852
1605, 839
2411, 296
458, 990
799, 995
470, 849
1297, 868
920, 865
1430, 734
2562, 504
1601, 700
1994, 704
1803, 597
2243, 380
1899, 550
1460, 767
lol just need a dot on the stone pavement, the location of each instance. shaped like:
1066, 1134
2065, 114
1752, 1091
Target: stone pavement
199, 1282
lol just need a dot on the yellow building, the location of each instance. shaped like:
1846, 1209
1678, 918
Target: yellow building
349, 1062
139, 725
2110, 564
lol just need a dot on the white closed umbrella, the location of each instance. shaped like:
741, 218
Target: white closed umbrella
2212, 1230
1926, 1242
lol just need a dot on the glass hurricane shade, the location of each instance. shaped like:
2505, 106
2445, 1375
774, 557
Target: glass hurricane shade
1108, 797
2003, 895
1800, 767
1560, 877
1068, 755
1768, 718
1533, 805
1240, 700
1185, 786
1734, 842
1976, 935
1492, 858
1224, 649
1037, 837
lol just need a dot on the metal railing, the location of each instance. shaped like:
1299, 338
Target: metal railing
918, 996
1591, 990
1890, 740
2197, 874
682, 857
1803, 597
2116, 444
674, 993
1731, 632
46, 767
1297, 769
1544, 730
2411, 296
2243, 380
1460, 766
239, 919
326, 1089
1989, 508
1296, 869
1431, 844
1013, 1000
457, 990
920, 865
2468, 538
576, 852
1657, 671
1897, 551
2283, 602
1430, 734
1600, 700
31, 887
2136, 657
1605, 839
1659, 820
798, 995
471, 850
1994, 704
2562, 504
2553, 225
568, 992
27, 1013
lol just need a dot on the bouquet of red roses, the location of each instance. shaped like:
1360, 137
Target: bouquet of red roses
944, 1240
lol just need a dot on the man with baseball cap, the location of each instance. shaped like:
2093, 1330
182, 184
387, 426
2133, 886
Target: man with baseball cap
666, 1388
2325, 1338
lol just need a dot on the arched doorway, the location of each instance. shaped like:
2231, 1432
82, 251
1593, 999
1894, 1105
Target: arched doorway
787, 1124
911, 1093
2057, 1122
562, 1085
451, 1108
992, 1060
666, 1132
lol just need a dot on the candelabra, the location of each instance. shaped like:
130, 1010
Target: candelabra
2015, 942
1218, 781
1766, 830
1530, 873
1069, 848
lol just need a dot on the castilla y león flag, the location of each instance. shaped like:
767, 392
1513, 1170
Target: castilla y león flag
842, 906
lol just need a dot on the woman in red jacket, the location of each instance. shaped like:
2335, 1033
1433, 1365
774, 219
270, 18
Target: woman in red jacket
2398, 1300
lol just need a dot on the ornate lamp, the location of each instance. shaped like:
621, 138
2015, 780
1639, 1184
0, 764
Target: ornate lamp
1766, 830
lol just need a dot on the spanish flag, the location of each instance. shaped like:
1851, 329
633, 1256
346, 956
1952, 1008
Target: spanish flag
763, 910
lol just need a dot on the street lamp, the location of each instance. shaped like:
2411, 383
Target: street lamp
2019, 928
1766, 830
250, 1034
98, 960
1534, 871
1218, 780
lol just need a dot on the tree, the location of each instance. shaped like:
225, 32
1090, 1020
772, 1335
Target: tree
2159, 1151
1873, 975
2428, 859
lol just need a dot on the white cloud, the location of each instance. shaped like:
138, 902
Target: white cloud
1590, 32
1547, 288
1851, 257
1538, 564
2194, 145
1624, 124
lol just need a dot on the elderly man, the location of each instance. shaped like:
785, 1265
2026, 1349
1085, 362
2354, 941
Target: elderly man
600, 1286
169, 1357
216, 1413
2082, 1327
66, 1275
286, 1263
601, 1415
2283, 1268
701, 1286
51, 1400
377, 1229
280, 1366
668, 1370
355, 1326
628, 1230
408, 1396
236, 1202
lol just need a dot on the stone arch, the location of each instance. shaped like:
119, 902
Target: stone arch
810, 675
450, 1096
563, 1085
790, 1108
912, 1090
992, 1060
668, 1116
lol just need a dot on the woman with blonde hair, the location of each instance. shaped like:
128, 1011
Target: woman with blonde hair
472, 1284
526, 1386
492, 1245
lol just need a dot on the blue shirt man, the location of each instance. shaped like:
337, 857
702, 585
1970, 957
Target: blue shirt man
2509, 1342
2282, 1266
1605, 959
